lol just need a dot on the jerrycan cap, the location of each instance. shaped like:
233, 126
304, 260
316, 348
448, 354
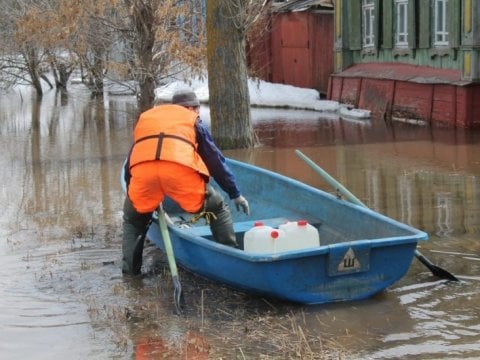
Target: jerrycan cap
258, 223
302, 222
274, 234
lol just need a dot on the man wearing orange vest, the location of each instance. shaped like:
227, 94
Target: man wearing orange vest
174, 154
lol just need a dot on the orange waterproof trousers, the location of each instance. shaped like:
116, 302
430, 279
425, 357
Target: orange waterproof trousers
152, 180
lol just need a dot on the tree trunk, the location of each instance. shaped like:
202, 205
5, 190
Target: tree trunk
97, 72
61, 75
227, 76
30, 56
143, 18
147, 94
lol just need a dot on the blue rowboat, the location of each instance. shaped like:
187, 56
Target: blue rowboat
361, 252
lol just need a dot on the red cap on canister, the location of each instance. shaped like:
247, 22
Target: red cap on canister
258, 223
302, 222
274, 234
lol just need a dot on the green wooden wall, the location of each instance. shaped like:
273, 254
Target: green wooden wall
462, 52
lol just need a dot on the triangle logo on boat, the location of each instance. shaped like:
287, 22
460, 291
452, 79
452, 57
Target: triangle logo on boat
349, 262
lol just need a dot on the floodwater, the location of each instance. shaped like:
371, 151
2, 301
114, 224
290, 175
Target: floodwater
62, 294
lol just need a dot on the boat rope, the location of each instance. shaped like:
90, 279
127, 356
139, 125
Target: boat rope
208, 215
339, 194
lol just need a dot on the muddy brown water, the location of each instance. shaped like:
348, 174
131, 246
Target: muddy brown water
62, 294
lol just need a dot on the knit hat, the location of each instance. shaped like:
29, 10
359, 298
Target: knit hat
185, 98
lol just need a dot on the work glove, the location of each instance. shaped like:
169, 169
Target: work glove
242, 204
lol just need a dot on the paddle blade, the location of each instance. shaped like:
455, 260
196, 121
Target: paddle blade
436, 270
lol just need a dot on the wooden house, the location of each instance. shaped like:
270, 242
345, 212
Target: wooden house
409, 59
297, 49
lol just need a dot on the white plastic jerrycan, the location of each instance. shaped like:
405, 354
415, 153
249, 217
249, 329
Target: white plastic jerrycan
261, 239
298, 235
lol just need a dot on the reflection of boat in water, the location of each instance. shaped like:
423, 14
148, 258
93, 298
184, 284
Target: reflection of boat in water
361, 251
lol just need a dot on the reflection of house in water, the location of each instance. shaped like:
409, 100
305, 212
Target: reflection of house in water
405, 189
443, 211
432, 197
314, 129
408, 59
427, 194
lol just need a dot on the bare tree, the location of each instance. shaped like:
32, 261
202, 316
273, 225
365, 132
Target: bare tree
145, 41
227, 28
92, 39
142, 16
163, 42
49, 36
23, 58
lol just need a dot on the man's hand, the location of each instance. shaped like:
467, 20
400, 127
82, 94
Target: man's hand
242, 204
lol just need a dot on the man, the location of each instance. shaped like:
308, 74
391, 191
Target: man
174, 154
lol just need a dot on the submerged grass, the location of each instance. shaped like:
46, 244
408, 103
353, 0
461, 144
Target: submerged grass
137, 314
222, 323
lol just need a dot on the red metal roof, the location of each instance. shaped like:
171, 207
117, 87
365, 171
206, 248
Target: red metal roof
405, 72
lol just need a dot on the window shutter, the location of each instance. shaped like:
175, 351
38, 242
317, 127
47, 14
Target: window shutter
412, 25
453, 18
387, 26
424, 24
355, 22
377, 24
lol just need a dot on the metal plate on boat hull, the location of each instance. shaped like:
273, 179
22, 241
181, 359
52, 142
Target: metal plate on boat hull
348, 259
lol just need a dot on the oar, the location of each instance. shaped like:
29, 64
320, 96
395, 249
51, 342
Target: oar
177, 292
436, 270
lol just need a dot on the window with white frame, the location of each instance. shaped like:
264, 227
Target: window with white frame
368, 19
401, 23
440, 22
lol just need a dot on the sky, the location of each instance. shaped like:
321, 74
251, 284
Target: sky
265, 95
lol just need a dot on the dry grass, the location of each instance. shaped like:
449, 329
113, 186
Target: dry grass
221, 323
217, 322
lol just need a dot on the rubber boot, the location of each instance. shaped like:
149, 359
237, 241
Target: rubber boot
135, 226
222, 225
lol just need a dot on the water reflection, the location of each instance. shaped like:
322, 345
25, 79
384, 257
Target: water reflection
61, 214
56, 190
391, 178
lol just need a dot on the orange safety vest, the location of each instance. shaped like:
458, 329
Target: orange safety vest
167, 132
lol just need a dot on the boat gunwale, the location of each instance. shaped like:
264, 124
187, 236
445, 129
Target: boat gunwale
294, 254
